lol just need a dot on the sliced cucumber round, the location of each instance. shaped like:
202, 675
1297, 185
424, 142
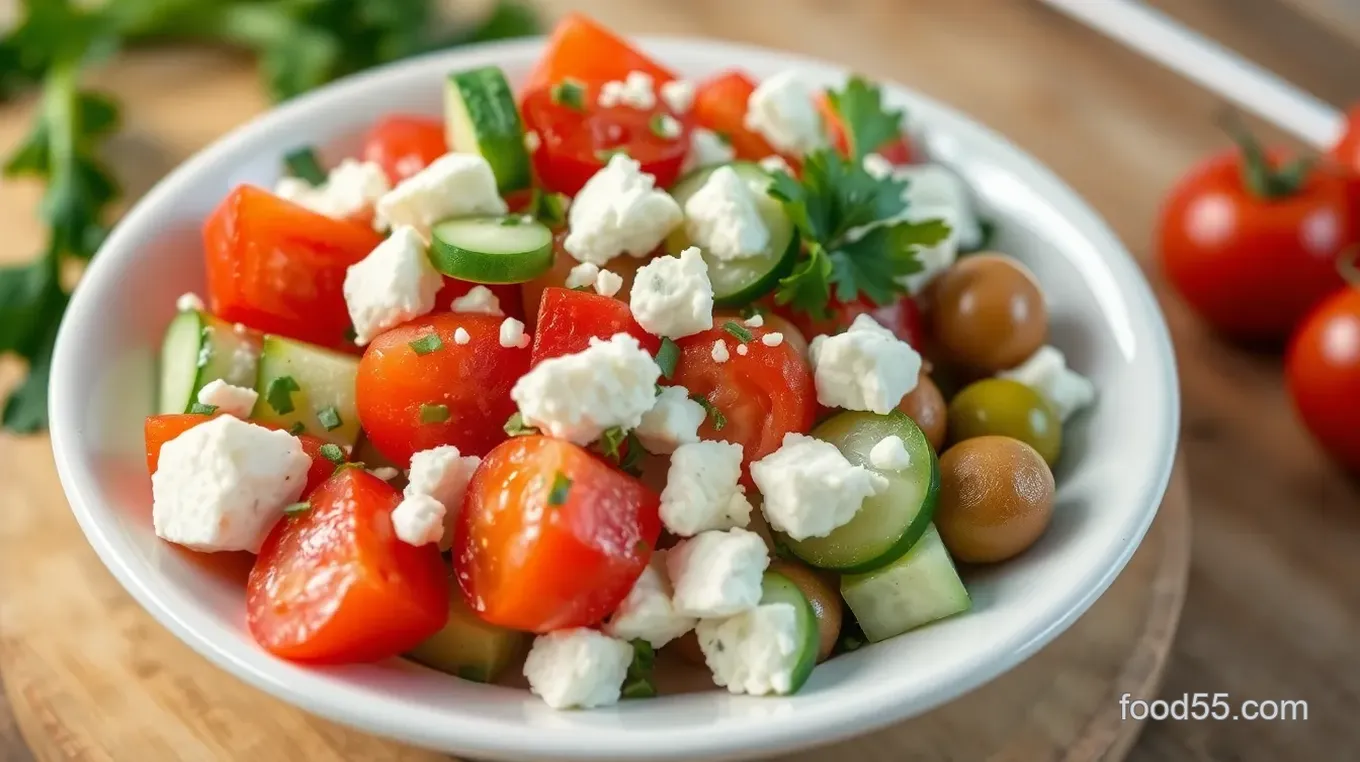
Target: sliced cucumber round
889, 523
480, 116
199, 348
776, 588
738, 282
507, 249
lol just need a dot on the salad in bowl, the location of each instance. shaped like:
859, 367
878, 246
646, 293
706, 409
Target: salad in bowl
607, 367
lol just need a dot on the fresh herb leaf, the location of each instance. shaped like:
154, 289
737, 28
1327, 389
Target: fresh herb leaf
570, 93
548, 207
664, 126
989, 231
808, 287
868, 125
303, 163
434, 413
511, 221
516, 427
333, 453
279, 394
630, 462
297, 509
330, 418
667, 356
351, 335
561, 487
714, 414
738, 330
198, 408
639, 682
611, 440
426, 344
297, 429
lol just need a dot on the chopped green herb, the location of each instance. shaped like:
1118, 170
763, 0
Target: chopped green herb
664, 126
202, 409
426, 344
640, 547
511, 221
516, 427
561, 486
303, 163
570, 93
611, 440
298, 428
667, 355
988, 231
868, 124
714, 414
659, 389
583, 289
351, 335
333, 453
434, 413
205, 347
279, 395
723, 136
639, 683
297, 509
330, 418
631, 455
550, 208
738, 330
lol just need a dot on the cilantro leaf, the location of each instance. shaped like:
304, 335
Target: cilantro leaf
639, 682
808, 287
868, 125
872, 263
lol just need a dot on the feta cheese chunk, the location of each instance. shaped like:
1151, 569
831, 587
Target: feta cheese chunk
754, 652
782, 110
222, 484
455, 185
637, 90
647, 612
775, 163
513, 335
809, 487
350, 190
393, 284
461, 336
865, 368
672, 296
667, 126
674, 420
189, 302
532, 141
608, 283
386, 473
619, 211
678, 95
419, 520
890, 454
576, 397
582, 275
577, 668
442, 473
717, 574
719, 352
229, 399
701, 490
479, 300
755, 321
722, 219
1047, 373
706, 148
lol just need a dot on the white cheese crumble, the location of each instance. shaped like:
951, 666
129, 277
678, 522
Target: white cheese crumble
743, 350
890, 454
678, 95
513, 335
1047, 373
719, 352
433, 497
386, 473
619, 211
702, 490
667, 126
865, 368
350, 190
809, 487
755, 321
228, 398
419, 520
706, 148
722, 219
577, 668
461, 336
455, 185
189, 302
717, 574
637, 90
581, 275
393, 284
772, 339
674, 420
647, 612
577, 396
775, 163
608, 283
754, 652
222, 484
479, 300
672, 296
532, 141
781, 110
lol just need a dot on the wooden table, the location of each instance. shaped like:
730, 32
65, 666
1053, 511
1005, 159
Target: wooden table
1273, 609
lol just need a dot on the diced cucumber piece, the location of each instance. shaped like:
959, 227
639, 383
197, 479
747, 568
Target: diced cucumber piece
467, 646
506, 249
738, 282
776, 588
307, 389
480, 116
199, 348
917, 589
889, 523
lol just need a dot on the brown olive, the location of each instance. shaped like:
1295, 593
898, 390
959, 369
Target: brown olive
988, 313
824, 597
925, 405
996, 498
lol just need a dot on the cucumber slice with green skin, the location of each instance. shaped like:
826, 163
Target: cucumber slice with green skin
921, 587
307, 389
889, 523
199, 348
480, 116
739, 282
505, 249
468, 647
776, 588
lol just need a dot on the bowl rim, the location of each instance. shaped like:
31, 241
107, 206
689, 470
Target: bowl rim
773, 733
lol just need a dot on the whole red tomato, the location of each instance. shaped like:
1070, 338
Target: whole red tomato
1252, 244
1322, 371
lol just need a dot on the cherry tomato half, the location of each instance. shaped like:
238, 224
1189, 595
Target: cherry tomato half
1322, 372
720, 105
568, 320
902, 317
405, 144
1347, 150
583, 50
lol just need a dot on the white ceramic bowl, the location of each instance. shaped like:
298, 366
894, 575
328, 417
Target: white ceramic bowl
1118, 456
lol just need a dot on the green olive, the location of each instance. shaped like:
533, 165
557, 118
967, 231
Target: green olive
996, 406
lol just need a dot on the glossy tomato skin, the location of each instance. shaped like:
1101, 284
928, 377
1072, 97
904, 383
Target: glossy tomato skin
159, 429
1252, 267
507, 294
527, 563
763, 394
568, 320
472, 381
334, 585
404, 144
583, 50
902, 317
720, 105
1347, 150
279, 268
1322, 372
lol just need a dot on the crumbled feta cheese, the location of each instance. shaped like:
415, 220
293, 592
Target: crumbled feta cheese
532, 141
1047, 373
672, 296
717, 574
865, 368
350, 190
782, 110
455, 185
706, 148
419, 520
878, 166
581, 275
442, 473
678, 95
608, 283
392, 285
775, 163
227, 398
667, 126
222, 484
743, 350
577, 396
648, 613
637, 90
461, 336
755, 321
619, 211
245, 359
754, 652
722, 219
809, 487
189, 302
479, 300
772, 339
701, 490
674, 420
513, 335
890, 454
578, 668
719, 352
386, 473
936, 186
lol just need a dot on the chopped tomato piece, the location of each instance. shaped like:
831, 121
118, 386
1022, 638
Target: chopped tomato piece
509, 295
551, 536
405, 144
456, 394
568, 320
334, 585
583, 50
160, 429
280, 268
720, 105
898, 150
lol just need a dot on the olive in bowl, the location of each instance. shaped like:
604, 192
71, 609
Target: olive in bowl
996, 499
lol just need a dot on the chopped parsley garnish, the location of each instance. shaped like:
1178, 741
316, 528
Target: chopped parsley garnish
639, 682
570, 93
516, 427
304, 164
667, 355
434, 413
202, 409
333, 453
714, 414
511, 221
351, 335
738, 330
279, 394
550, 208
622, 447
664, 126
298, 428
869, 124
426, 344
297, 509
561, 487
330, 418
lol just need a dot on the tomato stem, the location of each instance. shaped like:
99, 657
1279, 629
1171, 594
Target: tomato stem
1259, 174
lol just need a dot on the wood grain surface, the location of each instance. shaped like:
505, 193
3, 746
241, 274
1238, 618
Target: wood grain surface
1273, 609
